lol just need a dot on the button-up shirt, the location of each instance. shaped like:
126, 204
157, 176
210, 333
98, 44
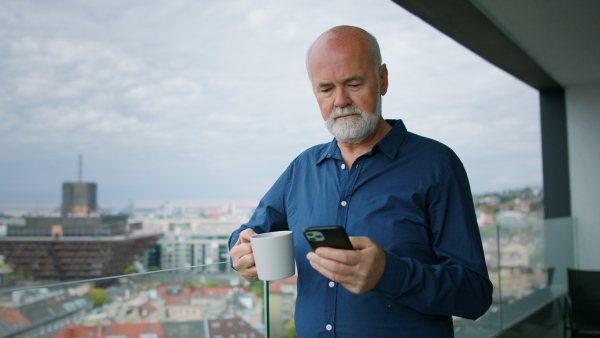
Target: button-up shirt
411, 196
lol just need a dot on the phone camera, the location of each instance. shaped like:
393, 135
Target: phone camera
315, 236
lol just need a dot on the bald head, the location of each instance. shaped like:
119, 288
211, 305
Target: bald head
348, 37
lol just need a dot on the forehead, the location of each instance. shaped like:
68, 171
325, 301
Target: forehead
336, 60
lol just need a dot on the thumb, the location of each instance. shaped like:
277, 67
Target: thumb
360, 243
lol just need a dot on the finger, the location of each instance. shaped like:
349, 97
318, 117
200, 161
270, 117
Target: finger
331, 275
328, 267
241, 259
349, 257
250, 274
242, 256
248, 260
350, 281
246, 235
360, 243
240, 250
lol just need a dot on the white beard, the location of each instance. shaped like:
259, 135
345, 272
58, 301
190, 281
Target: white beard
352, 129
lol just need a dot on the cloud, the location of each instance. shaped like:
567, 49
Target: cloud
185, 100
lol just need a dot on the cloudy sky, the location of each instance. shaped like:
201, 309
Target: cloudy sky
194, 101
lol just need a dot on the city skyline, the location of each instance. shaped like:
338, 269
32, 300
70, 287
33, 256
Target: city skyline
196, 102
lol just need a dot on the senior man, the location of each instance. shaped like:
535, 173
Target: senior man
404, 199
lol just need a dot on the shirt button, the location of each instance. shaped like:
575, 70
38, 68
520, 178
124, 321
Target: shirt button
331, 284
344, 203
343, 166
328, 327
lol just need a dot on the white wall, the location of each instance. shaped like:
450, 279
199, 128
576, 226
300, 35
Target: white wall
583, 127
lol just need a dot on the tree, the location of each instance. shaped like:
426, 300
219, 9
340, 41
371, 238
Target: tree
210, 284
257, 288
18, 275
98, 297
290, 329
129, 270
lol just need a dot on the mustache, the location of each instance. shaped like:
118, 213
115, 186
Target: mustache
346, 111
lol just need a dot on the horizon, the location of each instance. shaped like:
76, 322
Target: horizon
207, 203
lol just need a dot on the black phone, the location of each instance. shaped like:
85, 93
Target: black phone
332, 236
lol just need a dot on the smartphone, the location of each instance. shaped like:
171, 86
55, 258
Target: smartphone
332, 236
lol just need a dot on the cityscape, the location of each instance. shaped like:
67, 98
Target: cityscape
165, 272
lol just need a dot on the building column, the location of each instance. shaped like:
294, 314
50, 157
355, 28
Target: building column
555, 154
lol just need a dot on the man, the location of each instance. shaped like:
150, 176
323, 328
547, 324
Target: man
404, 199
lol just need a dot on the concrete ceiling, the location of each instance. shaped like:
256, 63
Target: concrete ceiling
563, 36
545, 43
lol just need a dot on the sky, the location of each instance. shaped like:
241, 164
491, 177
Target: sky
198, 101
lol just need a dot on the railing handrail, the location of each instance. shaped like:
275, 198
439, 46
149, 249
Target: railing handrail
105, 278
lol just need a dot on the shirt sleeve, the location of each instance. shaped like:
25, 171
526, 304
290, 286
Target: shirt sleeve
458, 284
270, 215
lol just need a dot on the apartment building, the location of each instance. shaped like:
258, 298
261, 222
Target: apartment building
200, 243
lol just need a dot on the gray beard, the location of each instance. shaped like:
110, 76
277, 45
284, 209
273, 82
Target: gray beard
353, 129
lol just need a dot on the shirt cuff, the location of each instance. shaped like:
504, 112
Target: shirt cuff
393, 277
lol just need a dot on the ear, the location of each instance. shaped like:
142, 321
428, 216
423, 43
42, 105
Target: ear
383, 79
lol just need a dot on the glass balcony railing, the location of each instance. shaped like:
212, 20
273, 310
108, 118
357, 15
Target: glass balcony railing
527, 261
175, 303
183, 302
523, 272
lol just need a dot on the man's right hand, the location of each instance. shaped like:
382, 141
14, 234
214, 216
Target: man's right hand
242, 256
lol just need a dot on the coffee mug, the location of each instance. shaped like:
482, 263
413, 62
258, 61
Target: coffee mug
273, 255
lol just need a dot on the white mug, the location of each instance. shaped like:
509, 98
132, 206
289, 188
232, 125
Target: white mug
273, 255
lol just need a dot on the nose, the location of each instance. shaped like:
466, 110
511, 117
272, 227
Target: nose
342, 99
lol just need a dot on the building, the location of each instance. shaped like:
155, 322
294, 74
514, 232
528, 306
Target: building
80, 243
182, 303
129, 330
201, 243
4, 271
222, 327
282, 304
43, 317
230, 327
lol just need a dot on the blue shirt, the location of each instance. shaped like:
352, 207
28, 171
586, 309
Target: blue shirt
411, 196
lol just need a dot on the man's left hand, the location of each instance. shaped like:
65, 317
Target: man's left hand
358, 270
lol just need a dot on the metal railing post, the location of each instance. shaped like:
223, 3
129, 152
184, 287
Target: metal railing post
266, 309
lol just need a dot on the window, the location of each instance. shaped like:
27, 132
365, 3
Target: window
148, 335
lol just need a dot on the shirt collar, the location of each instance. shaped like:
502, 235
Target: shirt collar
389, 145
391, 142
329, 151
